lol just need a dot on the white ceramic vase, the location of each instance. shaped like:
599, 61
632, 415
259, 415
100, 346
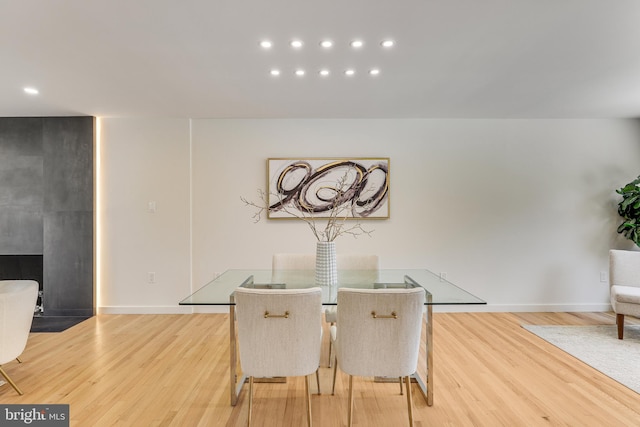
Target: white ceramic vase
326, 265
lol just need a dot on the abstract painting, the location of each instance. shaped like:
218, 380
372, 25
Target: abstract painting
323, 187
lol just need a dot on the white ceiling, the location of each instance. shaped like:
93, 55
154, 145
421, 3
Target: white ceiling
201, 59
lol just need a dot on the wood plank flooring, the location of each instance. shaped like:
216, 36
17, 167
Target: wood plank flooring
172, 370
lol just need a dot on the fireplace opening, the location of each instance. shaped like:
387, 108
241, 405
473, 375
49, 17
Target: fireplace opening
24, 267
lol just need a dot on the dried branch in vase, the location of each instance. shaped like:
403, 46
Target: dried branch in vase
338, 219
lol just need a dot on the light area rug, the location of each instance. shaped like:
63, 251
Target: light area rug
600, 348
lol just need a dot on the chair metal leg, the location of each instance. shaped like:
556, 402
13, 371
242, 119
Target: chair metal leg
400, 385
330, 347
620, 323
250, 401
335, 369
10, 381
308, 399
318, 379
18, 359
350, 420
407, 380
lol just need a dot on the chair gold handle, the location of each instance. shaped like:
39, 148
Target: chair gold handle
267, 315
393, 315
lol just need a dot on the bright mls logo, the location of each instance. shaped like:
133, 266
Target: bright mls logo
34, 415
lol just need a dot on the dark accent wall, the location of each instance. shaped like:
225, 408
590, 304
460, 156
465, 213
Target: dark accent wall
46, 205
21, 186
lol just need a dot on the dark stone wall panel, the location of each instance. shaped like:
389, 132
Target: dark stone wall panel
21, 178
20, 136
68, 263
20, 231
21, 191
46, 204
68, 170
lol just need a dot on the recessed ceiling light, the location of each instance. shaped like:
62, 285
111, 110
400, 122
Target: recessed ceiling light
31, 90
387, 43
324, 72
296, 44
357, 44
299, 72
350, 72
275, 72
266, 44
326, 44
374, 71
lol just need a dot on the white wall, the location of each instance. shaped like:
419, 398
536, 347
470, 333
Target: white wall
144, 161
519, 212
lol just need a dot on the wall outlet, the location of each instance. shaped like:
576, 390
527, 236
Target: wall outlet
151, 277
603, 276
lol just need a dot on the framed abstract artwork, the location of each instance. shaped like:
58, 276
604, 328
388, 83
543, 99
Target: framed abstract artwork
355, 188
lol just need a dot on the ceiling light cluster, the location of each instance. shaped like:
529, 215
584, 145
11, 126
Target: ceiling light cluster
324, 72
325, 44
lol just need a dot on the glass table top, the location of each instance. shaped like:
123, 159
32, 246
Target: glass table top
220, 290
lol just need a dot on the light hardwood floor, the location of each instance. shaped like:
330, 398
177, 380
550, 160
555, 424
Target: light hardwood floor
172, 370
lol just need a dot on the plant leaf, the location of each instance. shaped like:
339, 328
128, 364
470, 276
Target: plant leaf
628, 201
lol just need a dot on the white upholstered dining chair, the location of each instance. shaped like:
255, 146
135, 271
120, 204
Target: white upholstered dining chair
279, 335
281, 262
363, 262
17, 304
624, 285
302, 261
285, 261
378, 334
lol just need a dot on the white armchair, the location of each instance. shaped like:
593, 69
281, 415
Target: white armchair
17, 304
624, 282
279, 334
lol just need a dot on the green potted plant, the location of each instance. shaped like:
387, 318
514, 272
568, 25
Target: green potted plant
629, 210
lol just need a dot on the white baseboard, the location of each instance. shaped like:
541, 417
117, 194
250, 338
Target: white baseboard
178, 309
480, 308
521, 308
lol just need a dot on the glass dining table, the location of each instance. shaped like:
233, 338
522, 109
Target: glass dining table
220, 292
